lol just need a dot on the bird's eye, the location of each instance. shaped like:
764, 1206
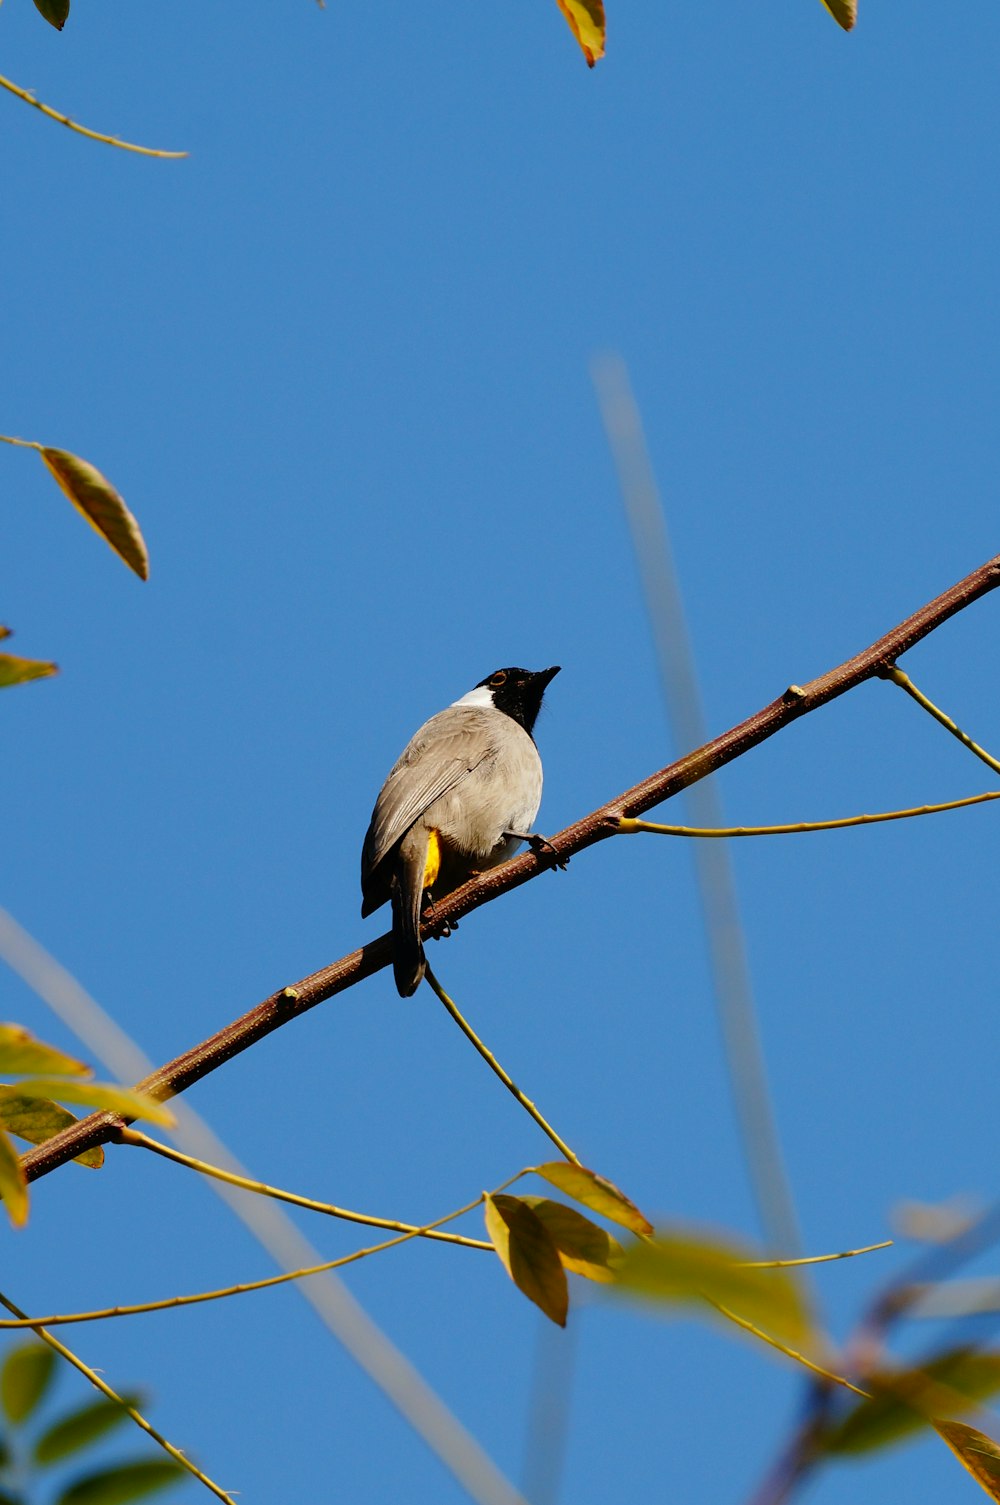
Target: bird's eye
498, 679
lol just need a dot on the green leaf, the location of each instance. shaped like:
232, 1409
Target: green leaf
582, 1246
36, 1119
844, 12
26, 1374
13, 1186
94, 496
54, 11
976, 1452
686, 1269
104, 1096
18, 671
595, 1192
903, 1400
119, 1485
529, 1255
81, 1427
20, 1053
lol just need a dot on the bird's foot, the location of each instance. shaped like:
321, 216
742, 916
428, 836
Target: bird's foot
540, 846
439, 930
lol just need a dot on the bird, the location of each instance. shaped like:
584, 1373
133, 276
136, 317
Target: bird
461, 798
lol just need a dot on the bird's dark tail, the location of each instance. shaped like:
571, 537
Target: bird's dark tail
408, 962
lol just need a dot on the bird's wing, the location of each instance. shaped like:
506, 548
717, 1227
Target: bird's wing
444, 751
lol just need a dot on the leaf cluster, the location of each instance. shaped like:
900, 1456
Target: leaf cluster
28, 1110
31, 1452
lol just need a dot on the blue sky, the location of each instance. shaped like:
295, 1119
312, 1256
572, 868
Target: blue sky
338, 363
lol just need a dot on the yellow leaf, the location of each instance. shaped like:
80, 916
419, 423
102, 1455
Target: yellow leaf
682, 1268
586, 22
17, 671
976, 1452
595, 1192
13, 1187
94, 496
844, 12
21, 1052
104, 1096
36, 1119
582, 1246
528, 1254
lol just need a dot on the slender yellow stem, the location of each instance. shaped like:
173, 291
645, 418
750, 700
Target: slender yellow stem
495, 1066
627, 827
790, 1353
81, 130
132, 1136
905, 683
21, 443
105, 1389
811, 1259
168, 1303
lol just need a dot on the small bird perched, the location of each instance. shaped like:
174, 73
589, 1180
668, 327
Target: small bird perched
461, 798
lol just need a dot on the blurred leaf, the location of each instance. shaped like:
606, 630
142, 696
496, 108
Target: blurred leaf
935, 1222
24, 1378
119, 1485
18, 671
104, 1096
94, 496
528, 1254
8, 1499
54, 11
21, 1052
582, 1246
36, 1119
686, 1269
976, 1452
586, 22
904, 1400
844, 12
81, 1427
595, 1192
13, 1186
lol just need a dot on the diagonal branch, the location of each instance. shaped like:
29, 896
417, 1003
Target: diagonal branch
281, 1007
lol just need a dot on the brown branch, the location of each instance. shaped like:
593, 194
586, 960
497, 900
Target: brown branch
285, 1005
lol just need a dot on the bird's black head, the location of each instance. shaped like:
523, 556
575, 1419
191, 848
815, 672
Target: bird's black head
518, 692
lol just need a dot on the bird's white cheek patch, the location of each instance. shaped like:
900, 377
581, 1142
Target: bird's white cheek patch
479, 696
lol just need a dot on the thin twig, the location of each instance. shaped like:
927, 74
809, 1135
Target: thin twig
804, 1259
168, 1303
629, 827
105, 1389
905, 683
790, 1353
143, 1141
288, 1002
495, 1066
82, 130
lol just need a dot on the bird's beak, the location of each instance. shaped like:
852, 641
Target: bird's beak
545, 675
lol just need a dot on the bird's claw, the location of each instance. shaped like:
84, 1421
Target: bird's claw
439, 930
541, 846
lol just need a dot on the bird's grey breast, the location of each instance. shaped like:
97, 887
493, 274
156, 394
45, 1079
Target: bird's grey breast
501, 793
